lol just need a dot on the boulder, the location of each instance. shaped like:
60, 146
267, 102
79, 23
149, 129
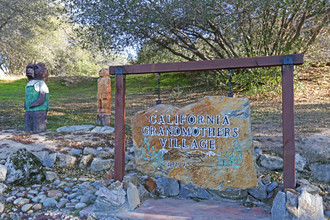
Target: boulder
3, 173
167, 186
89, 150
149, 184
24, 168
310, 207
50, 176
111, 200
258, 192
76, 128
279, 207
271, 162
2, 207
132, 178
132, 196
191, 191
3, 187
99, 164
65, 160
50, 160
300, 162
321, 172
85, 161
76, 152
143, 193
271, 186
103, 130
232, 194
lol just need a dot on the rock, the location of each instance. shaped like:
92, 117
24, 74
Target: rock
170, 141
132, 178
326, 213
39, 198
50, 176
26, 207
271, 162
75, 128
310, 206
279, 207
41, 155
85, 161
167, 186
87, 197
24, 168
300, 162
21, 201
3, 187
80, 205
2, 207
232, 194
3, 173
191, 191
103, 130
86, 212
49, 202
53, 193
89, 150
143, 193
37, 207
62, 203
99, 164
10, 199
309, 188
292, 204
72, 195
266, 180
132, 196
70, 205
257, 153
76, 152
271, 186
110, 200
150, 184
251, 201
258, 192
50, 160
321, 172
65, 160
131, 166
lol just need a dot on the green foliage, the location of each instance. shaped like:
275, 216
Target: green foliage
39, 31
265, 82
169, 31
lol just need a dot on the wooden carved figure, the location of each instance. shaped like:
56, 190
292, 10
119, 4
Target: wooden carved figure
36, 98
104, 98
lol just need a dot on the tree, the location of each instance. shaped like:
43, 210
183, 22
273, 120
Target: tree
18, 21
204, 29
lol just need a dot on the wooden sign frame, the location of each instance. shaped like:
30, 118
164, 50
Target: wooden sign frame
286, 61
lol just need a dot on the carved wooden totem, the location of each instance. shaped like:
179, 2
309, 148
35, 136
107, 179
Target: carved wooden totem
36, 98
104, 98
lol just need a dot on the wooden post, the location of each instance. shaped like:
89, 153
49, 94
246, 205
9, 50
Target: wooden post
289, 171
119, 125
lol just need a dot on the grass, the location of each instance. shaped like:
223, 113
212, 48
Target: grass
73, 99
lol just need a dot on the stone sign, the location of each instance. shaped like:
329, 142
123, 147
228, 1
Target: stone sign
207, 144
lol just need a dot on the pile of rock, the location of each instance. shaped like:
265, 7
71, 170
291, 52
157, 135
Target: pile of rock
302, 203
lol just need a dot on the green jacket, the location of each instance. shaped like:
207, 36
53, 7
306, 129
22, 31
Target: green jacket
32, 90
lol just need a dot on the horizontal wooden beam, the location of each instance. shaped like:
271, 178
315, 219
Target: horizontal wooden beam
190, 66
